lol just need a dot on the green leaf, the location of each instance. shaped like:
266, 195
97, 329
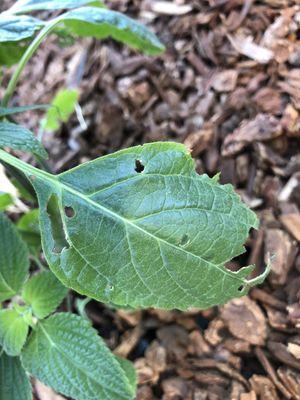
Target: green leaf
6, 200
13, 331
11, 52
63, 107
14, 261
18, 138
102, 23
25, 6
5, 111
141, 228
44, 293
66, 354
28, 226
129, 370
14, 383
16, 28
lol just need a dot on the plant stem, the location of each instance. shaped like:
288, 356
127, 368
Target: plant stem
24, 60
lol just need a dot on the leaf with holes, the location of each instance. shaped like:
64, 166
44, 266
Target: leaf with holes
25, 6
13, 331
141, 228
66, 354
14, 383
18, 138
44, 293
14, 261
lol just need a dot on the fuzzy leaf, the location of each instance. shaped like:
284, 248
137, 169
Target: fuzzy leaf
13, 331
44, 293
66, 354
14, 261
18, 138
16, 28
141, 228
25, 6
14, 383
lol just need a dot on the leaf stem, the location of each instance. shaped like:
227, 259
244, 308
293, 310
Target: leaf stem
24, 60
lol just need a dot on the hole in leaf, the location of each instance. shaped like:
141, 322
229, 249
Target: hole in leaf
241, 288
69, 211
184, 240
57, 228
139, 167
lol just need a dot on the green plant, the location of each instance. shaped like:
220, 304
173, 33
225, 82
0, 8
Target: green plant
137, 228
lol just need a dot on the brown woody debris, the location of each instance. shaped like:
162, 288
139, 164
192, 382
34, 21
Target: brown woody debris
245, 320
262, 127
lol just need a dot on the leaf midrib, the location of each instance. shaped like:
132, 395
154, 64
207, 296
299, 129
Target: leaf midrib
54, 179
84, 372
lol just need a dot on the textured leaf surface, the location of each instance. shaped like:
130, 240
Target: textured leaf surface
102, 23
66, 354
44, 293
24, 6
13, 331
28, 226
14, 261
16, 28
18, 138
159, 237
14, 383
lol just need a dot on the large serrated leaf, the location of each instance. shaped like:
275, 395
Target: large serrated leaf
14, 261
25, 6
14, 383
16, 28
141, 228
18, 138
13, 331
66, 354
44, 293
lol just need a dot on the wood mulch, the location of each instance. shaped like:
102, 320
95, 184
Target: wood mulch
228, 87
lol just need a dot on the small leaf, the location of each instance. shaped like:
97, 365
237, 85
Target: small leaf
6, 200
62, 108
14, 382
44, 293
28, 226
102, 23
141, 228
5, 111
65, 353
16, 28
18, 138
14, 261
13, 331
25, 6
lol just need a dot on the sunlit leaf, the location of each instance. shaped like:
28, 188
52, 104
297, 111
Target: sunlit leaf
141, 228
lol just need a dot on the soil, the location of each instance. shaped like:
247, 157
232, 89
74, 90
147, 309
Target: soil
228, 87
